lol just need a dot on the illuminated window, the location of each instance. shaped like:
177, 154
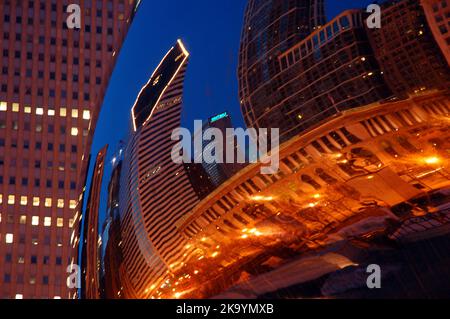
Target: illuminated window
35, 221
47, 221
11, 199
74, 131
51, 112
23, 200
60, 222
40, 111
48, 202
36, 201
60, 203
71, 222
57, 297
21, 260
23, 219
9, 238
19, 296
1, 198
73, 204
27, 109
86, 115
63, 112
3, 106
75, 113
15, 107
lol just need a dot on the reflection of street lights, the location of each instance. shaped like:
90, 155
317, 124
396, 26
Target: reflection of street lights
433, 160
258, 198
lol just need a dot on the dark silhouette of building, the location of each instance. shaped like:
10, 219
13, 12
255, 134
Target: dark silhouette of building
220, 172
200, 180
52, 83
90, 284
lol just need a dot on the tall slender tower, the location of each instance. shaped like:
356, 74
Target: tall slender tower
158, 192
90, 254
52, 82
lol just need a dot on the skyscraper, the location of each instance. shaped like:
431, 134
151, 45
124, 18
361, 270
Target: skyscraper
270, 28
407, 47
91, 281
52, 83
310, 76
297, 81
156, 192
220, 172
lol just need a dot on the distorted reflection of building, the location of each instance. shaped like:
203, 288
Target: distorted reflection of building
92, 243
364, 163
200, 179
357, 144
156, 191
219, 172
52, 84
438, 15
406, 49
147, 194
112, 259
340, 65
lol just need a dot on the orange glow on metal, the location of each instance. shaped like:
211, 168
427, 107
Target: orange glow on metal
432, 160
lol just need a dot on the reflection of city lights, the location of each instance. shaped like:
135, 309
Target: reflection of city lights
215, 254
196, 272
312, 205
177, 295
432, 160
244, 236
370, 177
258, 198
188, 246
204, 239
317, 196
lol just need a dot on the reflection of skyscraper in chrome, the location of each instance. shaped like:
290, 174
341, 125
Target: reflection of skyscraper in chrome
220, 172
156, 192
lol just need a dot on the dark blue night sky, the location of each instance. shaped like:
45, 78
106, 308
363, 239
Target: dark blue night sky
211, 30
